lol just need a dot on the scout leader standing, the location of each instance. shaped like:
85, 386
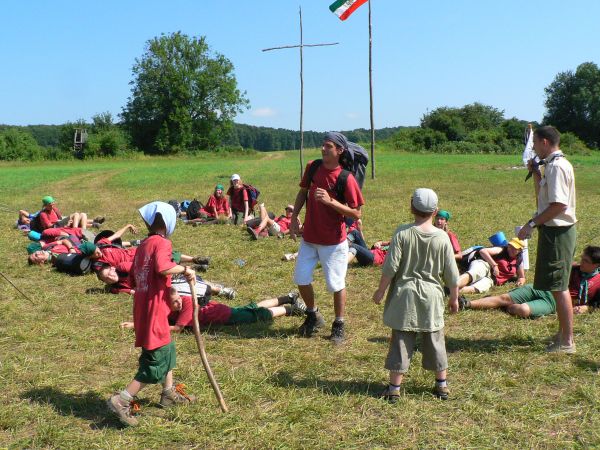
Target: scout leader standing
324, 235
555, 220
151, 277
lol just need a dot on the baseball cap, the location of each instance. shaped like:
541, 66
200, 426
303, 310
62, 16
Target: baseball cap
517, 243
47, 200
234, 177
425, 200
220, 186
290, 207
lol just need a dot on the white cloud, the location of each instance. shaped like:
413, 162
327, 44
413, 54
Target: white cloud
264, 112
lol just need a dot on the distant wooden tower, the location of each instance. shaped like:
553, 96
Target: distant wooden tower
79, 140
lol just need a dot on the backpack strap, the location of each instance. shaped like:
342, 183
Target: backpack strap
340, 185
312, 169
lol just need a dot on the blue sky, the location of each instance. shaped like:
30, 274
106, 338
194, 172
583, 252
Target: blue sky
66, 60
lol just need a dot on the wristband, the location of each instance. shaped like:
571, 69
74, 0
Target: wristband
531, 224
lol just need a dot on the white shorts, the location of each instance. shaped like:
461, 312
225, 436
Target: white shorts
274, 229
333, 259
480, 273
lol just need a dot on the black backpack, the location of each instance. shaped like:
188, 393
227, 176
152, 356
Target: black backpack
193, 210
73, 263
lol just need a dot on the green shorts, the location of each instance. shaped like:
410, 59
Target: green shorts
250, 313
556, 248
541, 303
156, 364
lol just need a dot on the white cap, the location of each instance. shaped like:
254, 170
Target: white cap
425, 200
234, 177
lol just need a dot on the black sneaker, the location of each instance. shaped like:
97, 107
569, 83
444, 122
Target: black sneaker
200, 267
201, 260
296, 306
463, 303
253, 234
313, 322
337, 332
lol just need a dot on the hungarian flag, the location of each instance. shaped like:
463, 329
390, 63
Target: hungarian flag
343, 8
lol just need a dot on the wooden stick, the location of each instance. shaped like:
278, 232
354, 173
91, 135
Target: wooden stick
18, 290
202, 350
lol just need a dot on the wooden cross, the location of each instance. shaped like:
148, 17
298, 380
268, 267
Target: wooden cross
301, 47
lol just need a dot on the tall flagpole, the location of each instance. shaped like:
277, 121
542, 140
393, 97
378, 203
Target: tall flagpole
301, 96
371, 96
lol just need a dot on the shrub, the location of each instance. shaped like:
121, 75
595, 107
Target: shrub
17, 144
571, 144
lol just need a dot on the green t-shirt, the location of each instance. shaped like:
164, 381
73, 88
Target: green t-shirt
418, 264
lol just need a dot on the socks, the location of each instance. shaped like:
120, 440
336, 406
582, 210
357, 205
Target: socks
393, 387
339, 319
440, 383
125, 396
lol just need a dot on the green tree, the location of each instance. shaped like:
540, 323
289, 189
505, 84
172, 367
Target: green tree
183, 96
573, 103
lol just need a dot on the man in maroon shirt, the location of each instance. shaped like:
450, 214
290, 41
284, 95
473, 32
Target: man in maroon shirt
324, 234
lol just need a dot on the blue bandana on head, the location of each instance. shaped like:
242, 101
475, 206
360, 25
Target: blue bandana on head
337, 138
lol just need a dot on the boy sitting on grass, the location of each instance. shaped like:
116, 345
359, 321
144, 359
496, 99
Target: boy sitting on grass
419, 256
151, 277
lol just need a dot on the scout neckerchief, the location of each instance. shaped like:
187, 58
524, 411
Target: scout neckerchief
583, 285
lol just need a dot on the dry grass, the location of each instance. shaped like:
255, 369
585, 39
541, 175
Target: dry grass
60, 359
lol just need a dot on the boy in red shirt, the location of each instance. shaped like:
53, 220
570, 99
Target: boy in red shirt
324, 234
151, 277
269, 225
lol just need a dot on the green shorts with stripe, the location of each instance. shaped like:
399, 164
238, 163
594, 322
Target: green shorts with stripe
156, 364
250, 313
541, 303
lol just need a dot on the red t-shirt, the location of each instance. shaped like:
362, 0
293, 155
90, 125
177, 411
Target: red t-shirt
507, 267
113, 256
378, 256
54, 234
238, 197
323, 225
593, 297
213, 313
151, 298
220, 204
454, 242
48, 219
283, 222
124, 283
57, 249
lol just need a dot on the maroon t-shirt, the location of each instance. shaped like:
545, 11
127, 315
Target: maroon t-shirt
593, 297
113, 256
507, 267
49, 218
220, 204
151, 299
213, 313
238, 197
323, 225
284, 223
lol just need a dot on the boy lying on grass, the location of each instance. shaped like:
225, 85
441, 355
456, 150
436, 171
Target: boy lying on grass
420, 255
215, 313
525, 301
269, 225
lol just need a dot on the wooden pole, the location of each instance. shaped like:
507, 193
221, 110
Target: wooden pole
301, 97
371, 96
202, 350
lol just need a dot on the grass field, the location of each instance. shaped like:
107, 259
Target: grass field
60, 359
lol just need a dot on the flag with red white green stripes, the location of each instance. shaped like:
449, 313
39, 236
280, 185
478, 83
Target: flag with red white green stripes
343, 8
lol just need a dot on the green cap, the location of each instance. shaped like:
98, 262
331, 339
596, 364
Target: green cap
47, 200
33, 247
219, 186
87, 248
443, 213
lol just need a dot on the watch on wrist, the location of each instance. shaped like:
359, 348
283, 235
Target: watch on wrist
531, 224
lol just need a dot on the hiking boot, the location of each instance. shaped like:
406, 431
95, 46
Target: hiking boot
99, 219
441, 392
227, 292
557, 347
390, 395
123, 409
201, 260
253, 234
200, 267
313, 322
296, 306
463, 303
176, 396
95, 225
337, 332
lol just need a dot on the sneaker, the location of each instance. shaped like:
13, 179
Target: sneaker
200, 267
95, 225
296, 306
176, 396
391, 396
557, 347
313, 322
227, 292
201, 260
289, 256
441, 392
253, 234
463, 303
337, 332
123, 409
99, 219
